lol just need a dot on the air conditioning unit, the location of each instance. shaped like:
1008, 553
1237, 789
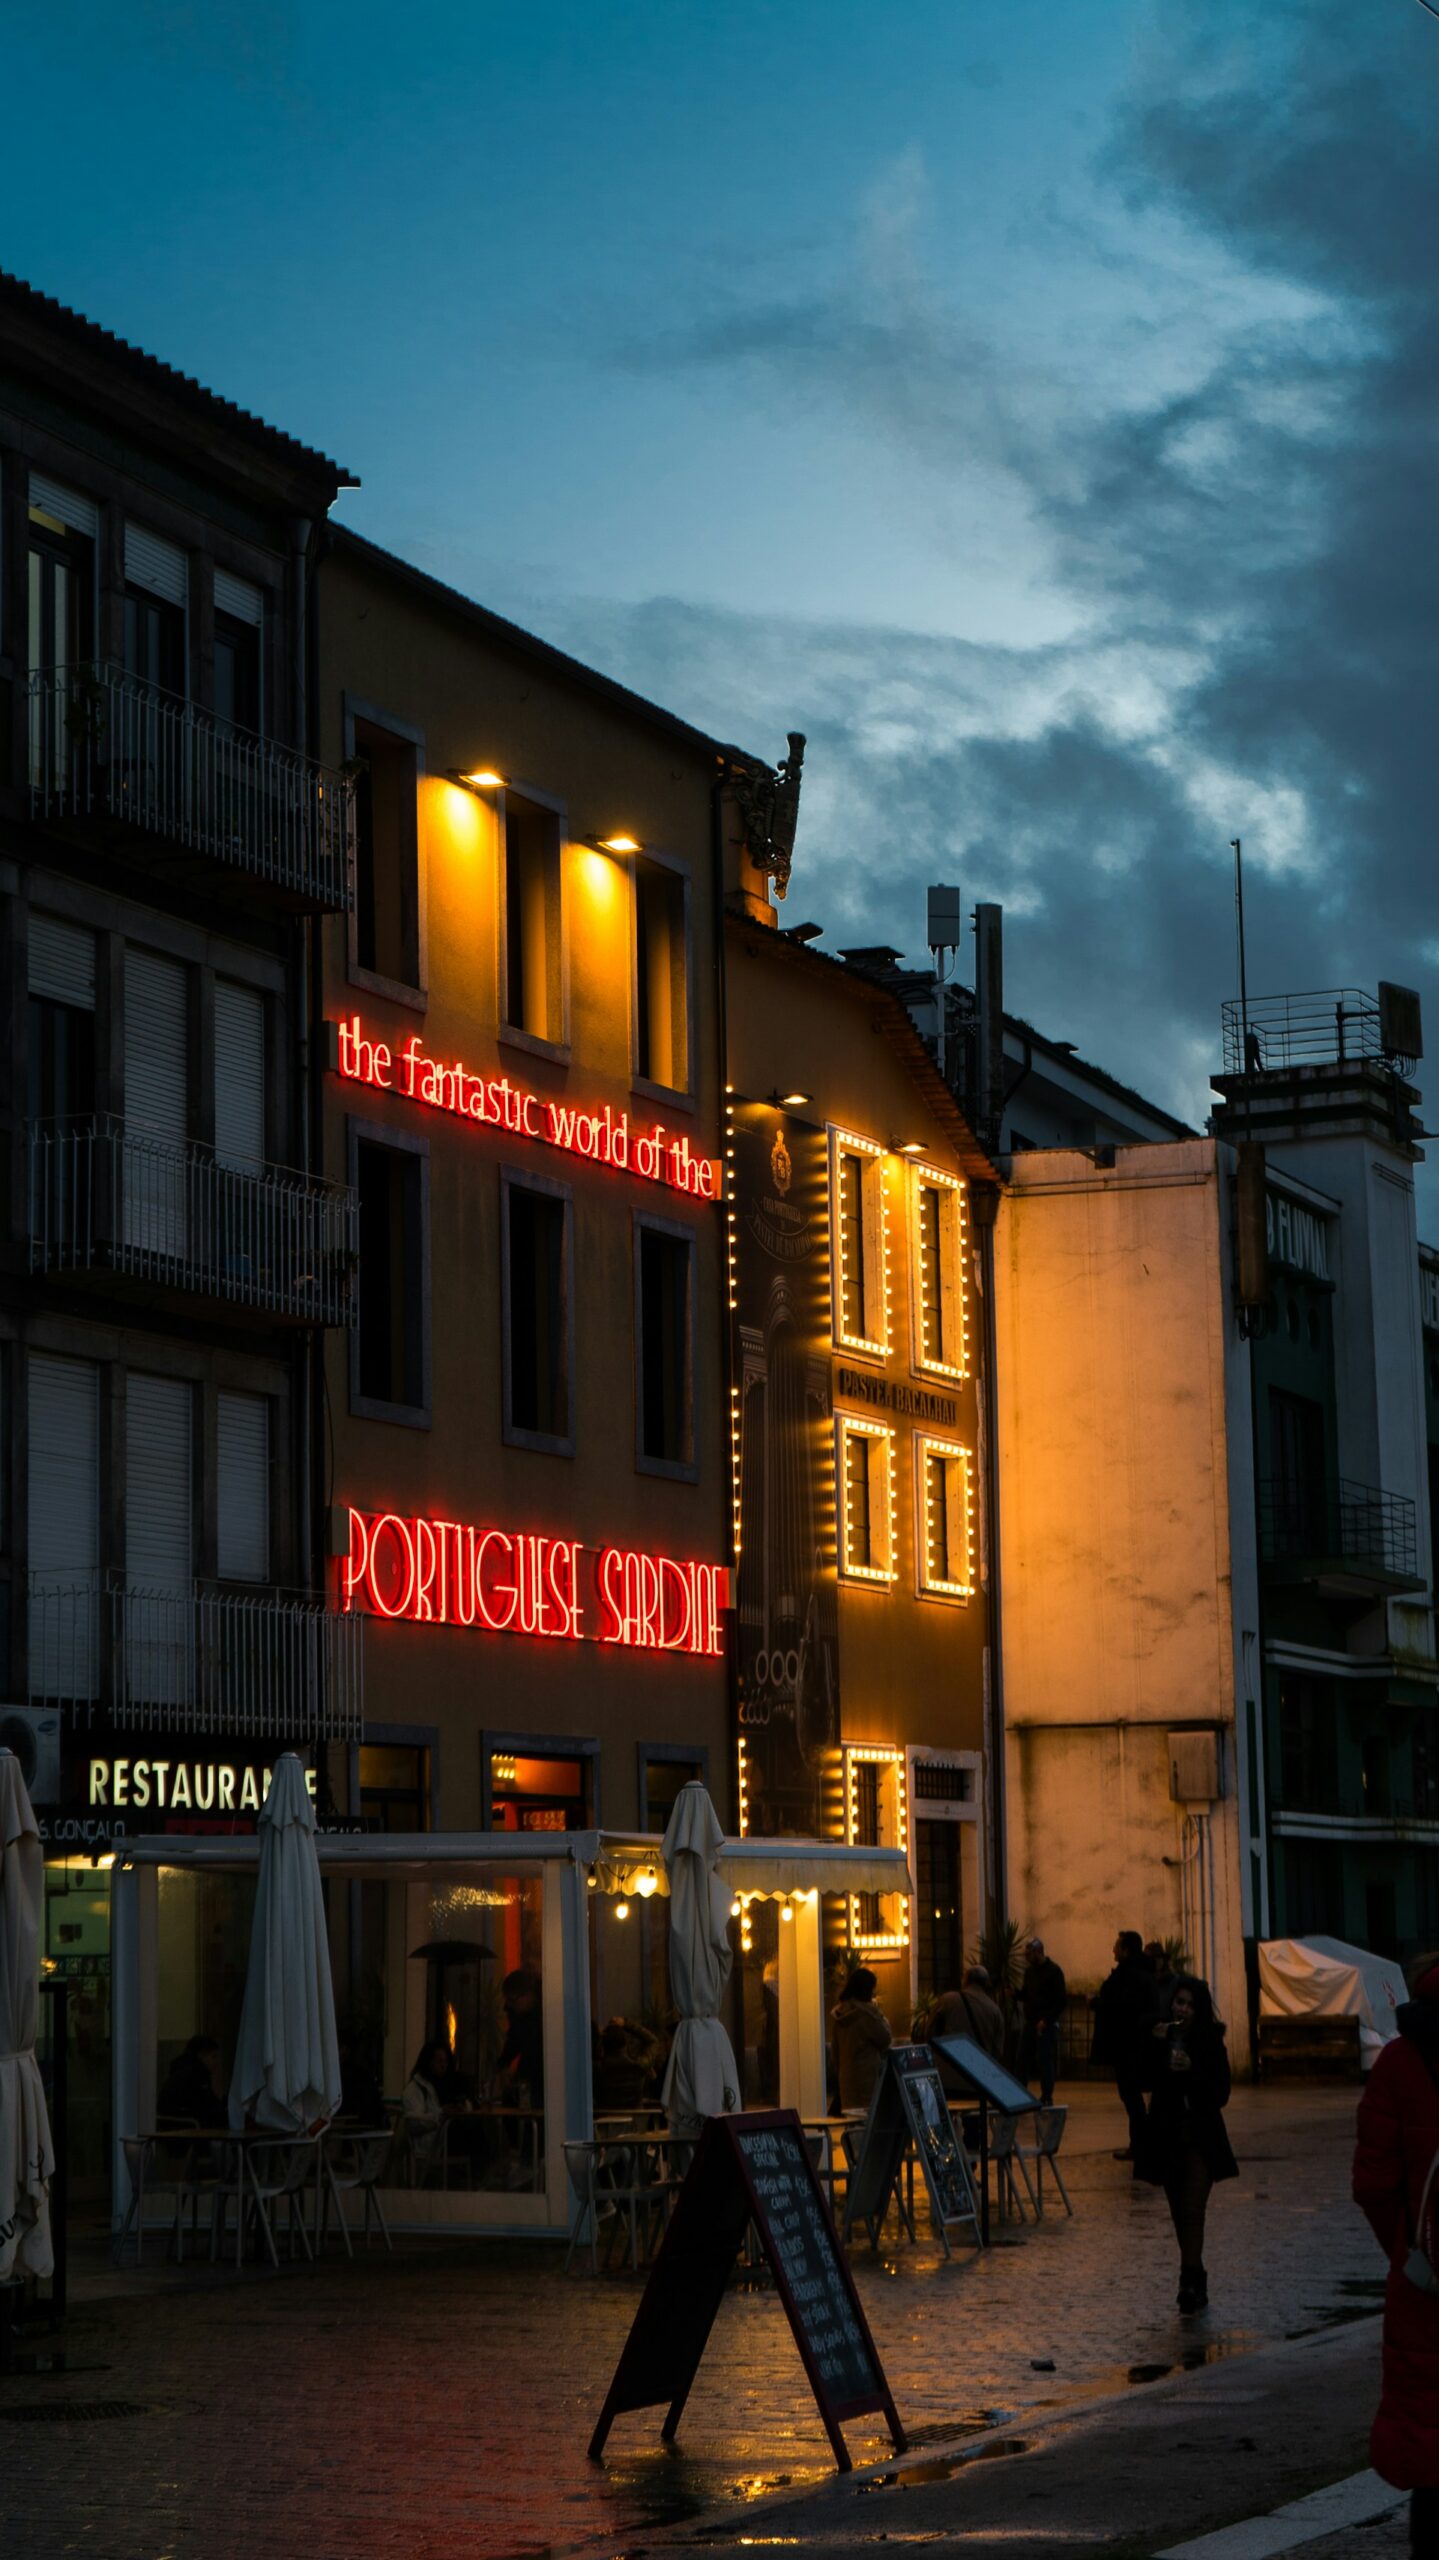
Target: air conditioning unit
1195, 1773
33, 1734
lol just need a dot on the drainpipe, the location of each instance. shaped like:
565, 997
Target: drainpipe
985, 1202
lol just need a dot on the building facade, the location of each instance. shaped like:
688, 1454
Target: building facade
859, 1214
170, 1254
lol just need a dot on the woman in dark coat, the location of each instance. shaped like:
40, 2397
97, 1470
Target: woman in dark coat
861, 2039
1398, 2138
1184, 2147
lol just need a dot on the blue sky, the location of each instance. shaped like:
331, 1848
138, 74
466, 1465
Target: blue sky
1035, 405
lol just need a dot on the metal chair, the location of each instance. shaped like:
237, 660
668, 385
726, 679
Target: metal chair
353, 2164
278, 2172
1049, 2124
176, 2160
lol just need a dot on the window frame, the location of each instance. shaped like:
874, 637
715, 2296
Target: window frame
679, 1470
380, 1133
849, 1426
536, 1746
355, 708
929, 1444
954, 1288
678, 1097
662, 1755
514, 1034
516, 1435
874, 1219
892, 1759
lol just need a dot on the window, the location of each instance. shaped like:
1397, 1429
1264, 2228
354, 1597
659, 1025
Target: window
664, 1346
876, 1817
1308, 1758
389, 1371
239, 1034
1297, 1490
156, 592
662, 1042
865, 1467
63, 1504
239, 653
663, 1771
157, 1194
945, 1512
60, 635
387, 853
159, 1652
394, 1786
537, 1315
62, 1019
532, 996
538, 1783
242, 1487
859, 1244
937, 1260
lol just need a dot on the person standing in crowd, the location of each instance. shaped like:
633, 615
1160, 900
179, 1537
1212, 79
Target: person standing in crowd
1042, 1995
522, 2054
1183, 2146
1124, 2014
972, 2012
861, 2040
1398, 2141
1165, 1976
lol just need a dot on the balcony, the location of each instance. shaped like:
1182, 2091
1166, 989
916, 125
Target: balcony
1333, 1026
1359, 1542
108, 1198
254, 1664
105, 746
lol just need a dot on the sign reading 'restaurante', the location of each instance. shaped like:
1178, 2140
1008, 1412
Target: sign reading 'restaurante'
606, 1136
513, 1582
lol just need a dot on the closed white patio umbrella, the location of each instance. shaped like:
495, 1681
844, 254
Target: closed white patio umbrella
700, 2079
287, 2060
27, 2156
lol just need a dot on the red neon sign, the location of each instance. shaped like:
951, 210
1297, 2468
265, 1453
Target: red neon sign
605, 1137
515, 1582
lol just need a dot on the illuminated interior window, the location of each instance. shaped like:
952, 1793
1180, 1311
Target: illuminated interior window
859, 1244
876, 1817
533, 995
864, 1458
945, 1514
937, 1258
662, 1041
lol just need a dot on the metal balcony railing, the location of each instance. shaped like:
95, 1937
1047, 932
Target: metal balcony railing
1325, 1028
107, 1197
198, 1660
104, 744
1371, 1533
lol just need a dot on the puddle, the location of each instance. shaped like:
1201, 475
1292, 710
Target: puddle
920, 2475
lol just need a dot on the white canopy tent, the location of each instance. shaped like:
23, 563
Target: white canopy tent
570, 1865
1327, 1978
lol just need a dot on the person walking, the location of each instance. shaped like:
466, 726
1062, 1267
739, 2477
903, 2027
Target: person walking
1183, 2146
1042, 1995
1124, 2014
861, 2040
1398, 2142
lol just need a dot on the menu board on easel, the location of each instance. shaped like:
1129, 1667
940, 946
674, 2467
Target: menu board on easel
910, 2106
751, 2168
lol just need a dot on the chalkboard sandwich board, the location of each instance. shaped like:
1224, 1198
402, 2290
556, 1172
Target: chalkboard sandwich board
751, 2168
910, 2105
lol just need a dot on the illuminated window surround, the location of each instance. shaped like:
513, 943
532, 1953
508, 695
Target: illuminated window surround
606, 1137
849, 1426
928, 1177
845, 1142
732, 1293
933, 1586
450, 1573
876, 1941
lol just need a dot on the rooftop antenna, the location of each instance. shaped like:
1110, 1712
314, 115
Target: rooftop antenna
1245, 1059
944, 931
1251, 1227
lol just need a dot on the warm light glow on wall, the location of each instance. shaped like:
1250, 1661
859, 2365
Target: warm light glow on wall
957, 1582
879, 1440
598, 877
874, 1224
891, 1763
457, 822
941, 1284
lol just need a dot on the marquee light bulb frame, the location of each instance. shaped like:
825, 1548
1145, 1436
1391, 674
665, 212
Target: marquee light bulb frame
847, 1142
925, 1448
854, 1426
932, 1177
892, 1942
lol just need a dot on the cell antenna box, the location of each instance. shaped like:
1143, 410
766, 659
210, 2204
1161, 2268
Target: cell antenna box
946, 920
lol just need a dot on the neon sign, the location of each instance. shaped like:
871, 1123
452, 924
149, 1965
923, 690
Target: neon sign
605, 1137
516, 1582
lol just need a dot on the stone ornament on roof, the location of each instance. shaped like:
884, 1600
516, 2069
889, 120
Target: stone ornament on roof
768, 801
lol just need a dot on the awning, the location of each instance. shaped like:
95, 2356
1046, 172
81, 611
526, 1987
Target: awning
617, 1860
812, 1866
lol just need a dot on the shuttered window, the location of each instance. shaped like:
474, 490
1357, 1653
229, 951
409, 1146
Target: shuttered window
159, 1645
62, 962
64, 1525
157, 1083
242, 1453
160, 567
239, 1076
68, 507
239, 599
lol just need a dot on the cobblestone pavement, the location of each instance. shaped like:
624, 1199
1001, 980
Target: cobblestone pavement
441, 2400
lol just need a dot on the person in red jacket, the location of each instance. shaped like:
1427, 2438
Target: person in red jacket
1398, 2134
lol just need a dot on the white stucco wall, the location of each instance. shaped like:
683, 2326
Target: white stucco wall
1119, 1618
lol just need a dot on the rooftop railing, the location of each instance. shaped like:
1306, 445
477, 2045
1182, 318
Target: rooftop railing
1324, 1028
1360, 1528
107, 1197
105, 744
198, 1660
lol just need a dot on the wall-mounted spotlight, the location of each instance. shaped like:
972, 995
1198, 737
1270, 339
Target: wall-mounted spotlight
482, 778
907, 1147
619, 844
